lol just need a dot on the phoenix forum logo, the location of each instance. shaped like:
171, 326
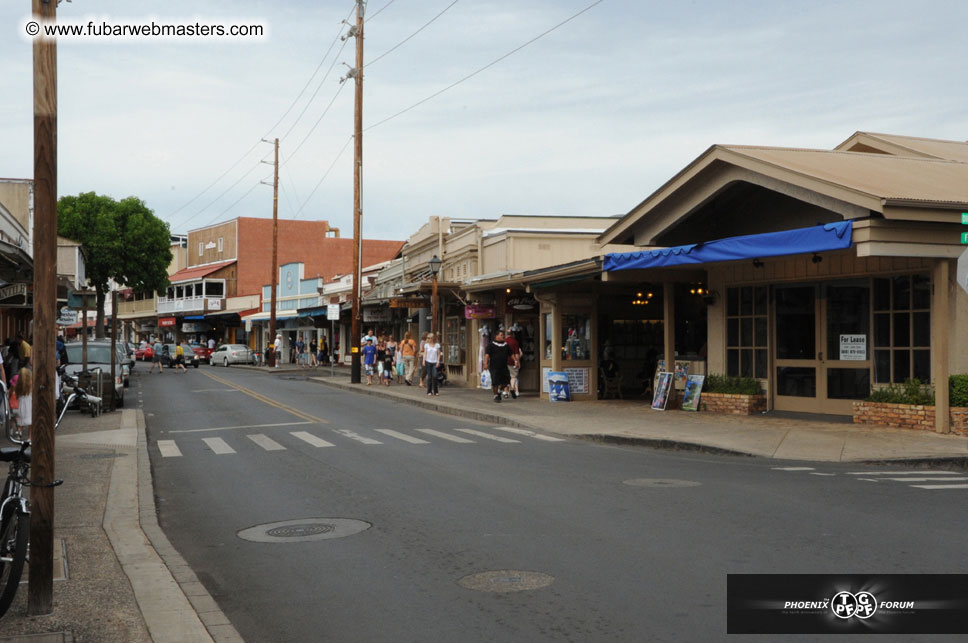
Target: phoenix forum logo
860, 605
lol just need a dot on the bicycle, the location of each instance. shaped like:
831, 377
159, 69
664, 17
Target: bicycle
14, 506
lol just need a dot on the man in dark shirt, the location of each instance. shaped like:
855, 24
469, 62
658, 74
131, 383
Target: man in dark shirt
496, 357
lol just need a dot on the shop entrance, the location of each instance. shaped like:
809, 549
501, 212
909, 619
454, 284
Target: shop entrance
822, 339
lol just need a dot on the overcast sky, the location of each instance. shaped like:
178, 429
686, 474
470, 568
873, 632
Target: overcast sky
587, 120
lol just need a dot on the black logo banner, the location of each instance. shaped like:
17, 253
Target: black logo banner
847, 604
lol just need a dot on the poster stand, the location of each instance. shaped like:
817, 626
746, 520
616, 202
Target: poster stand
662, 390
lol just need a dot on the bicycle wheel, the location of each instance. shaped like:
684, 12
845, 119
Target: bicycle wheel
14, 536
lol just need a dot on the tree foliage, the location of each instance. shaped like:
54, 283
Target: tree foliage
122, 240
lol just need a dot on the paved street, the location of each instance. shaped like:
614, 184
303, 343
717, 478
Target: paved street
403, 524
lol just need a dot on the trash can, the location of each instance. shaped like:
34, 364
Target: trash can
558, 388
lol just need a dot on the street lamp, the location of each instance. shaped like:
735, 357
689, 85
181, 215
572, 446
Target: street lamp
434, 269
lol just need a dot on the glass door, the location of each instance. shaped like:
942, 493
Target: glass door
796, 333
846, 359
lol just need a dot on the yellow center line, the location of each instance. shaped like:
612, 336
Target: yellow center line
266, 400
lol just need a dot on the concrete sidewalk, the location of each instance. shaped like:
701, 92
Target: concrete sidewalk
634, 421
116, 578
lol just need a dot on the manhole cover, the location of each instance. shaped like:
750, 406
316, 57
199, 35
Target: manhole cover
506, 580
303, 530
660, 482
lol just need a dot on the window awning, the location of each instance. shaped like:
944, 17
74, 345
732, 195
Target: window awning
830, 236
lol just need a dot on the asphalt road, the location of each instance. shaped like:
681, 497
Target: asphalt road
595, 548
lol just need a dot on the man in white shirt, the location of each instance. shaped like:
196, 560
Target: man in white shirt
277, 349
211, 343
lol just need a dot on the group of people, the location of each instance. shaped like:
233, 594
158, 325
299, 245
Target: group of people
502, 360
383, 356
306, 355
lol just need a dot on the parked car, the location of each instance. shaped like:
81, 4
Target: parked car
204, 353
168, 359
99, 356
128, 358
233, 354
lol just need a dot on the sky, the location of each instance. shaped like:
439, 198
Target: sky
589, 119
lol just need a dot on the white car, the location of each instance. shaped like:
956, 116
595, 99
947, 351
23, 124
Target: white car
232, 354
99, 356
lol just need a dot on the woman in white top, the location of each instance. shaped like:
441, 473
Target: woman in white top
431, 359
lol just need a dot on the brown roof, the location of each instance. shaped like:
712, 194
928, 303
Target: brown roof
907, 146
197, 272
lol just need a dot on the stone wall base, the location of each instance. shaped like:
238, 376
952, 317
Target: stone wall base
907, 416
732, 403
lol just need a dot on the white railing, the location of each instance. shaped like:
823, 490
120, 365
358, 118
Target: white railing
166, 305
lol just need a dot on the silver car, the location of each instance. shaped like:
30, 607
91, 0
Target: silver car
232, 354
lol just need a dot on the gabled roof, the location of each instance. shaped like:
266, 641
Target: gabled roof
190, 274
863, 182
906, 146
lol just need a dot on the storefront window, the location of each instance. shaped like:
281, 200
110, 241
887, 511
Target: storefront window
746, 334
549, 345
454, 340
575, 337
902, 329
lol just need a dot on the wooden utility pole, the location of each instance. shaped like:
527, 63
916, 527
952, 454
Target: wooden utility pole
274, 279
40, 592
115, 367
356, 331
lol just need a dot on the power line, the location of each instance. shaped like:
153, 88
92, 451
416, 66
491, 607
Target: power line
236, 202
316, 124
487, 66
318, 87
391, 49
330, 169
378, 11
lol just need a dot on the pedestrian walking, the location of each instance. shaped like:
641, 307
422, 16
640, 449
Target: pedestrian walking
496, 357
431, 360
390, 366
277, 349
157, 349
300, 351
420, 358
24, 351
369, 360
313, 348
514, 365
408, 352
180, 359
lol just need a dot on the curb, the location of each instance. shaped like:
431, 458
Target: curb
218, 626
432, 406
661, 443
949, 463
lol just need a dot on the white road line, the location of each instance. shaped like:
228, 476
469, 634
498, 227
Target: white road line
530, 434
940, 486
446, 436
305, 436
899, 473
352, 435
168, 449
266, 442
817, 473
481, 434
242, 426
793, 468
402, 436
928, 479
218, 446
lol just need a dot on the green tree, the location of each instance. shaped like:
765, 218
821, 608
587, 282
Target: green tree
122, 240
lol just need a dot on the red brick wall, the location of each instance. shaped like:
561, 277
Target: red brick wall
907, 416
733, 404
300, 241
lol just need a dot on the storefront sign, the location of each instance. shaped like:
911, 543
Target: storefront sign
166, 321
191, 327
215, 304
411, 302
853, 347
376, 314
66, 317
520, 305
14, 290
332, 312
478, 311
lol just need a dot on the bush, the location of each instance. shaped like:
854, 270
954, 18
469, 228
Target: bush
732, 384
958, 390
911, 392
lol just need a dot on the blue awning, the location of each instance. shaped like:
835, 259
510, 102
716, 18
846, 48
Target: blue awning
313, 313
831, 236
194, 317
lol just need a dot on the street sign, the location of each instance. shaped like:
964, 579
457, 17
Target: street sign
332, 312
964, 218
67, 317
964, 237
962, 271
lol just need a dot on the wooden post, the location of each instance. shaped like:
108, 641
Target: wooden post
356, 332
40, 592
115, 367
275, 257
84, 333
669, 333
939, 345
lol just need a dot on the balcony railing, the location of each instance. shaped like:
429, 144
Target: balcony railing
168, 306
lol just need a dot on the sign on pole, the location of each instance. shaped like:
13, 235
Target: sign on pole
962, 271
332, 312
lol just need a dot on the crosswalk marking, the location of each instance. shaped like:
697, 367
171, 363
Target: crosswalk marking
402, 436
353, 435
306, 436
168, 449
927, 479
530, 434
266, 442
899, 473
940, 486
446, 436
793, 468
817, 473
218, 446
482, 434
